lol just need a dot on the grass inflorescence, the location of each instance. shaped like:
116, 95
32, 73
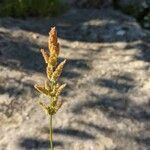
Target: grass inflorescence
52, 88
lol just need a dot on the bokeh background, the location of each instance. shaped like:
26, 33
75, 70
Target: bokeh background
107, 98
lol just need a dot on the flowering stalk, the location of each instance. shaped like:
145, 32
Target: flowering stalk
52, 89
51, 133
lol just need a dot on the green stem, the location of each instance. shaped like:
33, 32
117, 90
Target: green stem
51, 133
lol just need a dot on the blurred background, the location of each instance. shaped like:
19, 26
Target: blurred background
107, 98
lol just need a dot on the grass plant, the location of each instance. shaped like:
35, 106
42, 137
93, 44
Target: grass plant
52, 88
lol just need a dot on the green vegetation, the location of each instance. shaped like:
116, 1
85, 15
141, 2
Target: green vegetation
23, 8
139, 10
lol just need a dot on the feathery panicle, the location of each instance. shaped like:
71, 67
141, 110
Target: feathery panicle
52, 89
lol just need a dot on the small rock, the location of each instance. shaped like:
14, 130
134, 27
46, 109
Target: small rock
121, 33
35, 36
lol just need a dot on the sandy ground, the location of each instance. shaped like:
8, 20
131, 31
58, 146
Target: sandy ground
107, 74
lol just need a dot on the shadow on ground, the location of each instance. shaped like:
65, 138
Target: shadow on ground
31, 143
115, 107
118, 106
92, 25
15, 88
22, 54
70, 132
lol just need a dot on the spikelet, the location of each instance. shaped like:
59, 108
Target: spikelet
54, 49
53, 60
48, 86
49, 72
43, 106
51, 110
52, 36
59, 104
60, 89
53, 92
58, 71
45, 55
48, 110
53, 45
41, 89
